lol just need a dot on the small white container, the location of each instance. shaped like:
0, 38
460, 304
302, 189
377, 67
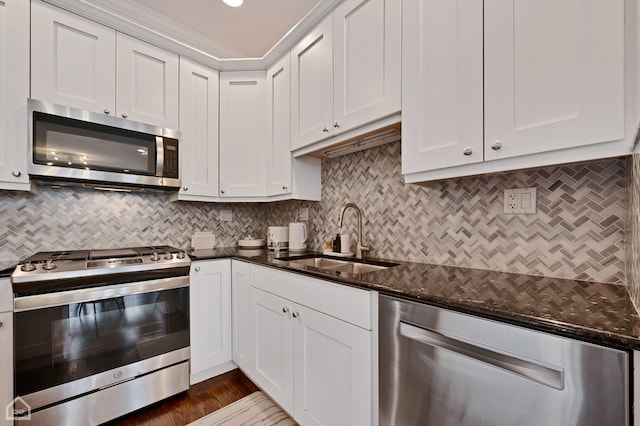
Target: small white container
345, 243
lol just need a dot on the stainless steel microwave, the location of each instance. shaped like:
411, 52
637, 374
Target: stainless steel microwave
76, 145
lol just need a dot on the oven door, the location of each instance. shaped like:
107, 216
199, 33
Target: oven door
72, 343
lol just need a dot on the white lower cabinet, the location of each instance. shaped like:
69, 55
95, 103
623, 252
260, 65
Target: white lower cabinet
312, 347
6, 365
240, 313
332, 370
6, 349
273, 338
210, 319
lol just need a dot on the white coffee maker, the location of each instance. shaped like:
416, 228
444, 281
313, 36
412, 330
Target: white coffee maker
278, 238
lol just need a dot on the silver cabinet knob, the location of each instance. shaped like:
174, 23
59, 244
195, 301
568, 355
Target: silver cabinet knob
16, 173
325, 130
222, 191
284, 188
0, 323
197, 268
336, 125
295, 314
106, 111
468, 151
496, 145
285, 310
124, 115
184, 188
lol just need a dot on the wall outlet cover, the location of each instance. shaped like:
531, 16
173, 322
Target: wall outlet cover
303, 214
520, 200
226, 216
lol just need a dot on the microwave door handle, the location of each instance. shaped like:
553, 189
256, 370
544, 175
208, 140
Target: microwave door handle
546, 375
159, 156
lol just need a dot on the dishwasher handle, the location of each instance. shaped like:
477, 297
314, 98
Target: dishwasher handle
532, 370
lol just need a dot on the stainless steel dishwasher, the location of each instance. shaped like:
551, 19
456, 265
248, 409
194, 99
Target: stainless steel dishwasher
439, 367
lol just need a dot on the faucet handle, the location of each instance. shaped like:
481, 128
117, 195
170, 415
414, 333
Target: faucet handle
361, 250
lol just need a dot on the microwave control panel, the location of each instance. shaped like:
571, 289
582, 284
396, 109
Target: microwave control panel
170, 158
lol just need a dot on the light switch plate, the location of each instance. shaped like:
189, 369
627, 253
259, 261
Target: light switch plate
226, 216
520, 200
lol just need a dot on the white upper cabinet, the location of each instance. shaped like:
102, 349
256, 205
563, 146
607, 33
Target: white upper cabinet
557, 88
312, 86
242, 134
79, 63
278, 128
14, 90
199, 126
346, 72
366, 61
72, 60
442, 95
546, 97
146, 83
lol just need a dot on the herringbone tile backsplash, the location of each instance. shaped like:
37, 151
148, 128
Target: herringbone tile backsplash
72, 219
633, 227
577, 232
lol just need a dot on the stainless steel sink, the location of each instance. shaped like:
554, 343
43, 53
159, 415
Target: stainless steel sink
356, 268
331, 264
318, 262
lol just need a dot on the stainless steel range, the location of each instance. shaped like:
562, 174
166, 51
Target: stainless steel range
99, 333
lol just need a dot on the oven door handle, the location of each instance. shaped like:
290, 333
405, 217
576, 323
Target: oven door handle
48, 300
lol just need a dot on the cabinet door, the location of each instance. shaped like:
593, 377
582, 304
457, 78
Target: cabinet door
278, 128
6, 361
312, 86
366, 61
241, 315
210, 316
273, 343
199, 126
14, 86
242, 133
332, 370
442, 97
553, 75
146, 83
72, 60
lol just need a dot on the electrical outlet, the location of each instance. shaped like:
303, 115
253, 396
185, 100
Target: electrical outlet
226, 216
303, 214
520, 200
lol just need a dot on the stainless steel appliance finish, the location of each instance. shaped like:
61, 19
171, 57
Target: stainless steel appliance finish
113, 402
439, 367
95, 328
72, 144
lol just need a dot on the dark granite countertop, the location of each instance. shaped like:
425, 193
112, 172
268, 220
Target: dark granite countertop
595, 312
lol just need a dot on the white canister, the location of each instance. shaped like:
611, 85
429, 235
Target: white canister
345, 243
297, 236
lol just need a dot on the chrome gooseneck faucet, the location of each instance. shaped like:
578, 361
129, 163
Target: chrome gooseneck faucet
360, 248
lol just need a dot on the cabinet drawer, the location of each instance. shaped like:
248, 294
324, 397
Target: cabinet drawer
340, 301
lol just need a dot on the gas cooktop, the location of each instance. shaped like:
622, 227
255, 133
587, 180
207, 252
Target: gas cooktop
56, 270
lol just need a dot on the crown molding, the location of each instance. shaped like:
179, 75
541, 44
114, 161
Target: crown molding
147, 25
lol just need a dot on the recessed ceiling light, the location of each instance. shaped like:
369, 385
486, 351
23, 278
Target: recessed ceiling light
233, 3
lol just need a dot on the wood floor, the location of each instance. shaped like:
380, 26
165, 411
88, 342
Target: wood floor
200, 400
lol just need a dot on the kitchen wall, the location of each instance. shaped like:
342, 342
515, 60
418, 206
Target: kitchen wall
633, 227
69, 219
578, 231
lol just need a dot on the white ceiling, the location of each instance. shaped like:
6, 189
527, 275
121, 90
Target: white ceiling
248, 31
